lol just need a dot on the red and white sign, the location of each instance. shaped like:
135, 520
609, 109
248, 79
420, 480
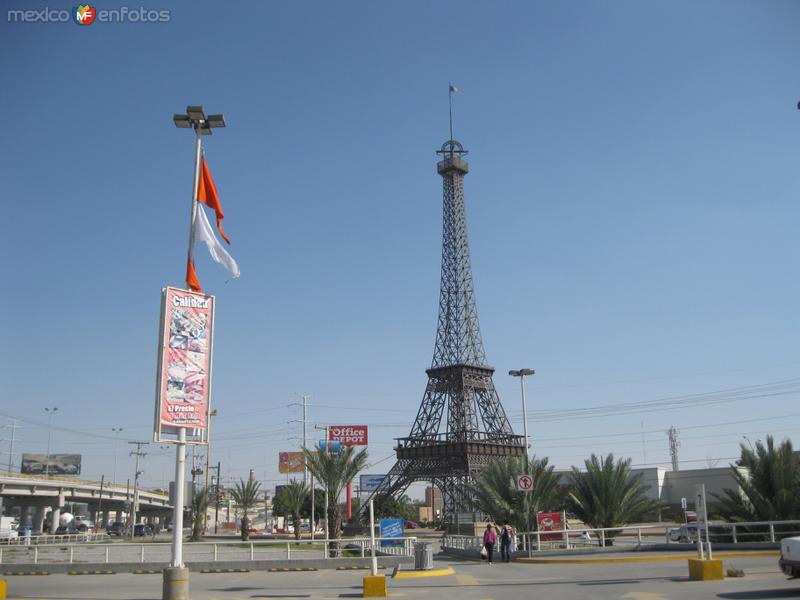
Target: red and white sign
549, 521
348, 435
184, 368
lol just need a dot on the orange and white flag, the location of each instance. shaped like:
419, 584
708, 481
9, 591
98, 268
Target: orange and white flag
207, 194
203, 232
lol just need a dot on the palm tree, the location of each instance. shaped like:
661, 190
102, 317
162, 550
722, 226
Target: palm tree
245, 494
200, 501
333, 471
770, 491
606, 495
495, 491
293, 497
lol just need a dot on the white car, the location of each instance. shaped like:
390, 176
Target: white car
684, 534
790, 557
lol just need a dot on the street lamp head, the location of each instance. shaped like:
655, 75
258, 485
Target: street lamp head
521, 372
216, 120
182, 121
196, 113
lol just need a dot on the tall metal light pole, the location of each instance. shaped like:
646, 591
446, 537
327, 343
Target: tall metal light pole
50, 412
522, 373
195, 118
116, 431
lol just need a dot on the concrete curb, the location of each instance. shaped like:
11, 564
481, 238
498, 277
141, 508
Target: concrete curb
210, 566
472, 554
420, 574
640, 559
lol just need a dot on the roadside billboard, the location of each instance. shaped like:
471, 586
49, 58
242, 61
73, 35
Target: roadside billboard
291, 462
348, 435
370, 483
59, 464
184, 365
549, 521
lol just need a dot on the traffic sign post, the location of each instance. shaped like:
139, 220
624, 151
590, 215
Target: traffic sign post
524, 483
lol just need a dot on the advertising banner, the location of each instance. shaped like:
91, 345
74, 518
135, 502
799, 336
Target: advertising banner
549, 521
184, 362
59, 464
370, 483
291, 462
348, 435
391, 528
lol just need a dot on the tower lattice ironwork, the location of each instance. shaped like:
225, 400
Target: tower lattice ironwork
461, 425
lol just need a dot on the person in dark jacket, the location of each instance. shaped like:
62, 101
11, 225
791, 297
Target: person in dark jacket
506, 536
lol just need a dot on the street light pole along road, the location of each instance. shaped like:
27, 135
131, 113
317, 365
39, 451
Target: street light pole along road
195, 118
522, 373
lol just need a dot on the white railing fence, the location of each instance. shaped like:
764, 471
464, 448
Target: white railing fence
76, 553
36, 540
636, 535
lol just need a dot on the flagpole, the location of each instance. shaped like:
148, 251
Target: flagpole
193, 212
450, 101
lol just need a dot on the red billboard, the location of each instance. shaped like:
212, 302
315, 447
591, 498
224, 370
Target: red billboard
549, 521
348, 435
184, 361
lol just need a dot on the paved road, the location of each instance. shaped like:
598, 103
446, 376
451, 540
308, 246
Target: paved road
471, 581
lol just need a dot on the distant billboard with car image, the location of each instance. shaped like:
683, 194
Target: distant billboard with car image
54, 464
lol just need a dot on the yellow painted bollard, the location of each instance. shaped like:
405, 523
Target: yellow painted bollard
374, 586
705, 570
3, 589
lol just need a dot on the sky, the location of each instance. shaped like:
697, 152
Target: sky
631, 206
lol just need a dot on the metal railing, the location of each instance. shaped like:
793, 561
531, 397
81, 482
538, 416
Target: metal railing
634, 536
41, 539
71, 553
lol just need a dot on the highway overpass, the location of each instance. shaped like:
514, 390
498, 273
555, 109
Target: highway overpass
34, 494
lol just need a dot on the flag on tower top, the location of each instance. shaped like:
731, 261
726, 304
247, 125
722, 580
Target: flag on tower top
453, 88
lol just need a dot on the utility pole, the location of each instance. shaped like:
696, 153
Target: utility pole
11, 446
216, 498
304, 421
673, 447
326, 428
135, 507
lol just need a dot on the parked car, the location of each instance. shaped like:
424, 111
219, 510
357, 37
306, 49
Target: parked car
143, 529
684, 534
116, 528
789, 561
411, 525
67, 530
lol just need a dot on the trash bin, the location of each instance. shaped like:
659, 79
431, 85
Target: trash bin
423, 556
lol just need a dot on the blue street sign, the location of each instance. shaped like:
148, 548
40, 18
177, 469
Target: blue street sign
391, 528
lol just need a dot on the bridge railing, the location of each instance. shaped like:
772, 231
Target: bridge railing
148, 552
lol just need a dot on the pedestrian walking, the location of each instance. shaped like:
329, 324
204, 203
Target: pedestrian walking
489, 540
506, 536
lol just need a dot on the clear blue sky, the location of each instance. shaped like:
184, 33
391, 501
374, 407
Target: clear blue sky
632, 207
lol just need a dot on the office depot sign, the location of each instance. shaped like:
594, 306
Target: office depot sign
348, 435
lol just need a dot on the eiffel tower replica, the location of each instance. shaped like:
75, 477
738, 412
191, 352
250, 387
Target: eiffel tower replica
461, 426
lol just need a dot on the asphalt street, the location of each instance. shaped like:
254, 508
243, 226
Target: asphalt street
470, 581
